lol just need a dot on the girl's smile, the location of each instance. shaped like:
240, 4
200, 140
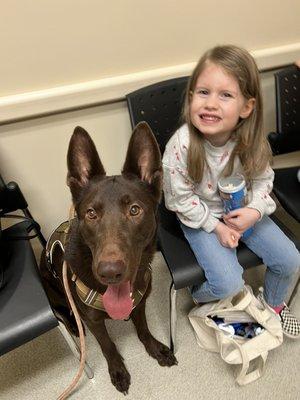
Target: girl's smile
209, 119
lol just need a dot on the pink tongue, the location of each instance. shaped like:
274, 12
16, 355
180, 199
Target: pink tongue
117, 301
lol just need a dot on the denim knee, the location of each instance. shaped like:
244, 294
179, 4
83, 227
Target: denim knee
229, 285
290, 264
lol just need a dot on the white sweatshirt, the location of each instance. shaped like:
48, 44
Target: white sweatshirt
199, 204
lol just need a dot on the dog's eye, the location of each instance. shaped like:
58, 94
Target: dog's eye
135, 210
91, 213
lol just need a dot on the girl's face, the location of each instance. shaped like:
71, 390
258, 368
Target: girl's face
217, 104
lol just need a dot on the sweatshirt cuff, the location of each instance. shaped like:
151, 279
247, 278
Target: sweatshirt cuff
210, 224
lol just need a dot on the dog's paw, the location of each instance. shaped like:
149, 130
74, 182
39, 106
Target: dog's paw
120, 378
162, 354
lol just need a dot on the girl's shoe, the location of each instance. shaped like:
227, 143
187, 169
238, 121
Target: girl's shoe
290, 324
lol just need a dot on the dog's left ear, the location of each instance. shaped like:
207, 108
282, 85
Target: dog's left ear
143, 157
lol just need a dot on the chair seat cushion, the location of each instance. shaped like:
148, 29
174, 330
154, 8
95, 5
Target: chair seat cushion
25, 312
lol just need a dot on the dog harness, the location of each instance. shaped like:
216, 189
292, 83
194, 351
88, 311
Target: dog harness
88, 296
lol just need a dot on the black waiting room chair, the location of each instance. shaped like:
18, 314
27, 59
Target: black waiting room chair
286, 139
25, 312
160, 106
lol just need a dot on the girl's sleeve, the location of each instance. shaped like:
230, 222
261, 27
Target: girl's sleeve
179, 190
260, 193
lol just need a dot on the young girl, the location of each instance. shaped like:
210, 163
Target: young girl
223, 135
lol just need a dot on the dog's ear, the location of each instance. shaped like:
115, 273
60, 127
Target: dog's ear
143, 157
83, 161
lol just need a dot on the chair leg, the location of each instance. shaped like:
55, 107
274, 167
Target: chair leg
173, 318
74, 347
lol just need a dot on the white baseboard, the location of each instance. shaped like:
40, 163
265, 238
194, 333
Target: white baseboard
114, 89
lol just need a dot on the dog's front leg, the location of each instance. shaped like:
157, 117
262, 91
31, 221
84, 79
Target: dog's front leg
119, 375
156, 349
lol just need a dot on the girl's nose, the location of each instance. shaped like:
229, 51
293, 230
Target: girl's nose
211, 102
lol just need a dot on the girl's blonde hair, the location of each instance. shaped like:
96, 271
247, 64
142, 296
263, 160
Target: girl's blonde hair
252, 146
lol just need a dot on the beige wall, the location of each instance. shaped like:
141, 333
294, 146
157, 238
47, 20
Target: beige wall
49, 43
57, 55
34, 154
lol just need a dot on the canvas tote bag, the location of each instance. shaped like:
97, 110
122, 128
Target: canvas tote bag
243, 307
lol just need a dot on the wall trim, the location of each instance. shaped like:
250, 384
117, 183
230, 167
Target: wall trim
80, 95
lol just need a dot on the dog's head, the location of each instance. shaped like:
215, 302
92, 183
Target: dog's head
116, 214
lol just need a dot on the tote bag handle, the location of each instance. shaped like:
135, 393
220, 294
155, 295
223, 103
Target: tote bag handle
242, 378
227, 304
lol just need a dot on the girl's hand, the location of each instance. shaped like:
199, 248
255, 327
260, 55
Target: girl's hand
227, 236
241, 219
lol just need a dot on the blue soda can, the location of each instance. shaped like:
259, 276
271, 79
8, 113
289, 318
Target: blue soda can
233, 193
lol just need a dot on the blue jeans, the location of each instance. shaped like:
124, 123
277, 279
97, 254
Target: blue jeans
224, 273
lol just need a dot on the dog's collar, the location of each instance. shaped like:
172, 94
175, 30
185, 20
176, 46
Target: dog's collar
88, 296
93, 299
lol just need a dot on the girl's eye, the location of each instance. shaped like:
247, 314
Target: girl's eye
227, 95
91, 213
134, 210
202, 92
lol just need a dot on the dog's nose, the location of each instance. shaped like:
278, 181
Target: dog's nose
111, 272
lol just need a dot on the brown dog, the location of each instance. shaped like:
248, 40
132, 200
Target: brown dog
110, 245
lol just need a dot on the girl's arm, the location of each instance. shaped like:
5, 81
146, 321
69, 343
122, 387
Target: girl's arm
179, 189
260, 203
259, 195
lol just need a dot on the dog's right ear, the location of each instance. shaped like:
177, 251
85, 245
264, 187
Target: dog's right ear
143, 158
83, 161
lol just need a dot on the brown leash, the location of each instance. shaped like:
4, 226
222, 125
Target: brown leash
75, 380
